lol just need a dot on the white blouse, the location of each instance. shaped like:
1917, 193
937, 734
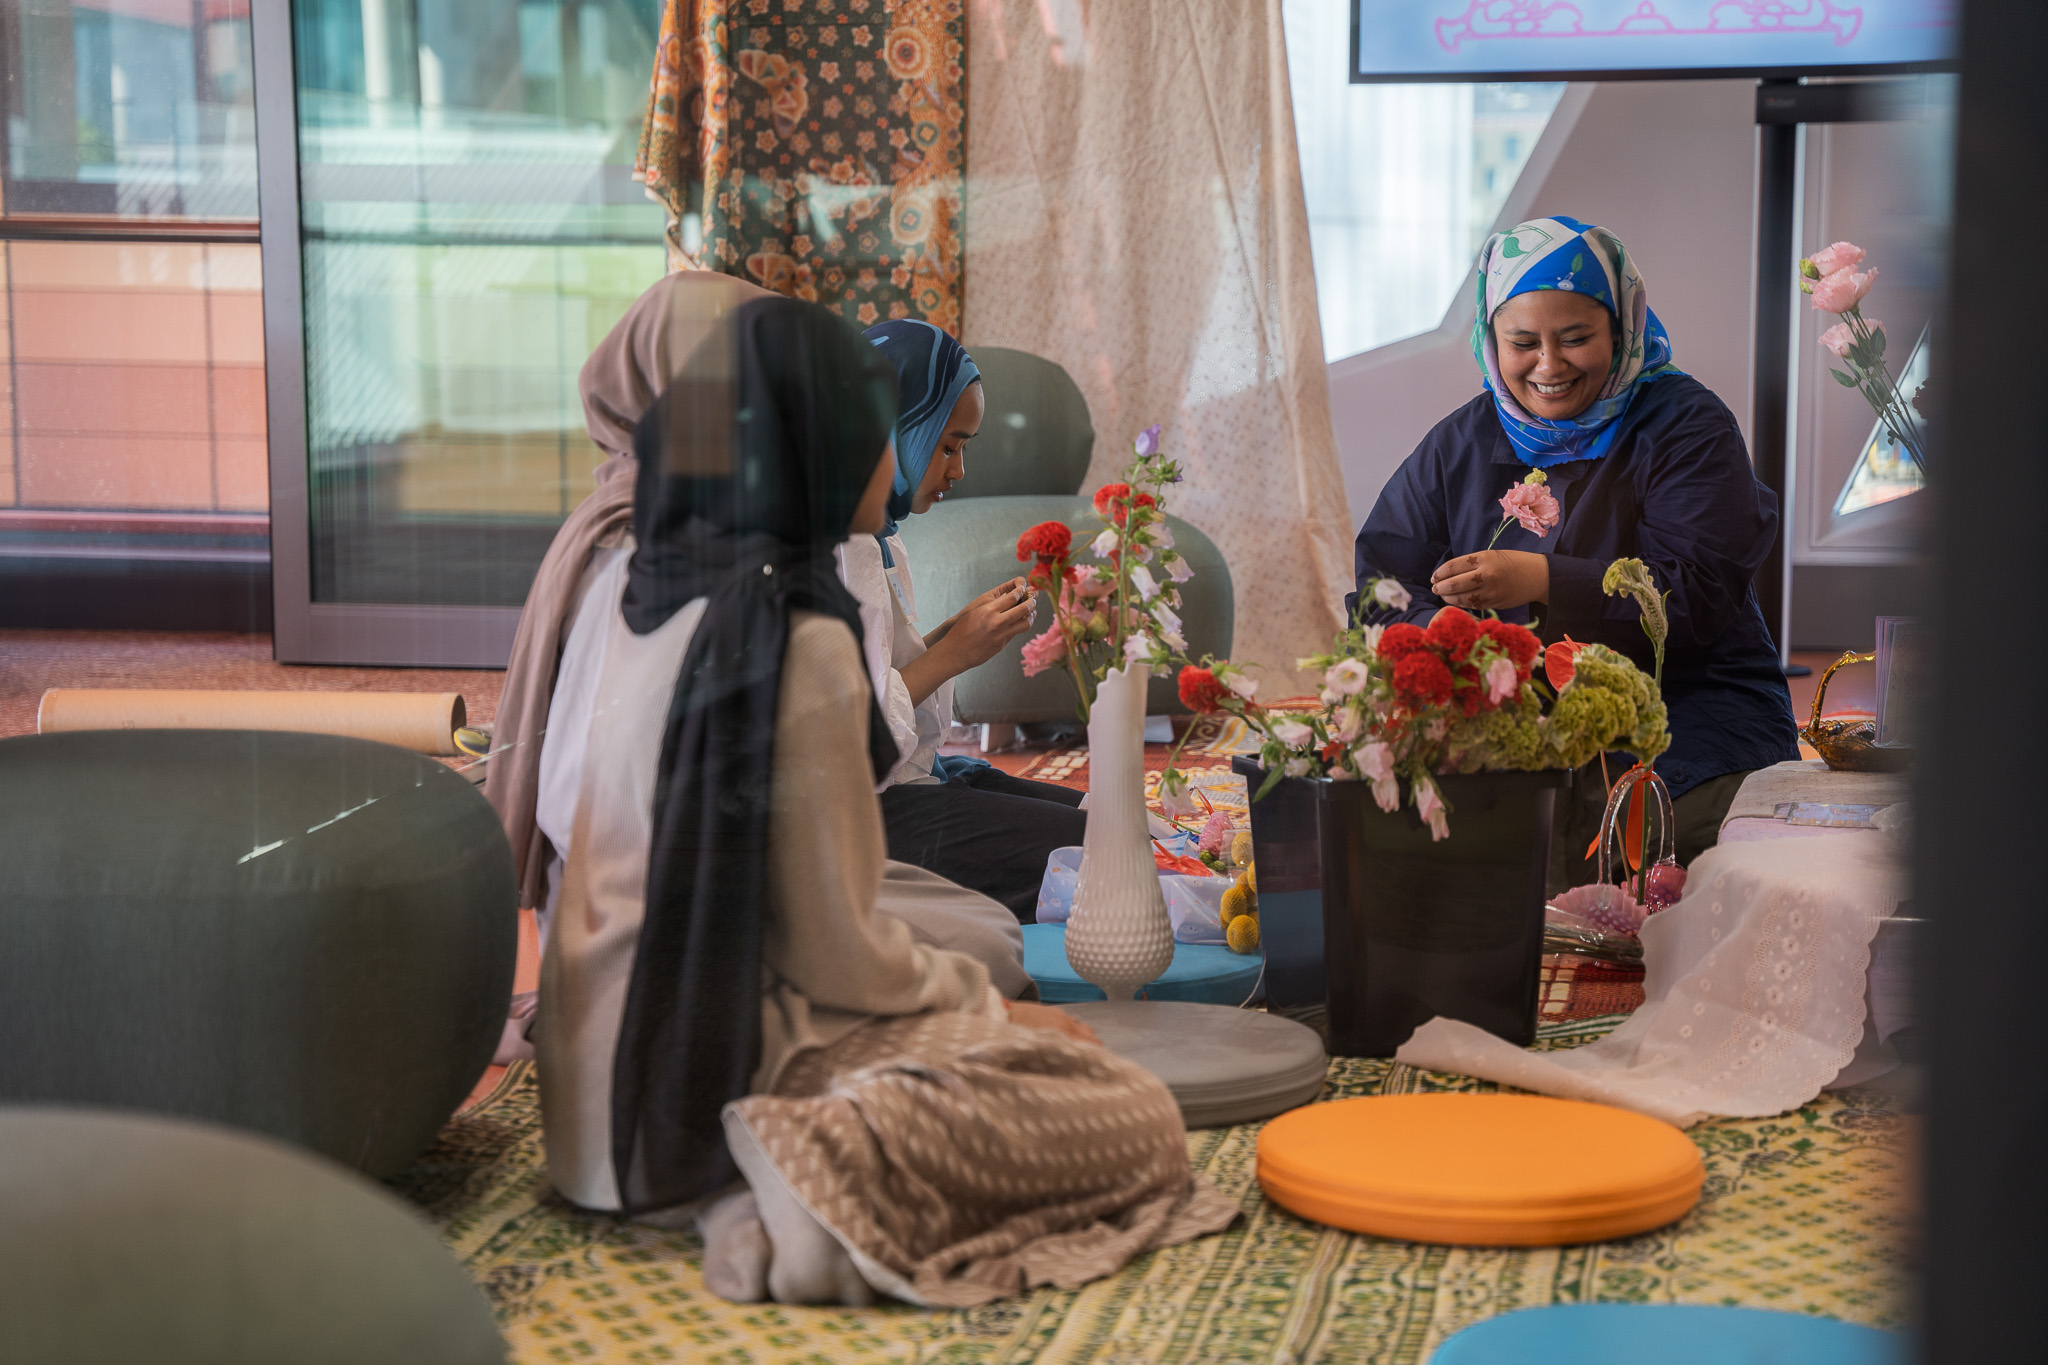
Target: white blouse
890, 639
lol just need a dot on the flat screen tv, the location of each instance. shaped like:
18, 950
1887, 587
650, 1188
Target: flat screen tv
1601, 40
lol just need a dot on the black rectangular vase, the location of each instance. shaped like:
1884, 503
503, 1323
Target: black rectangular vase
1414, 927
1287, 850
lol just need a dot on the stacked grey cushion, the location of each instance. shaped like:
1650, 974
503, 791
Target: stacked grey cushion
128, 1238
1223, 1065
305, 935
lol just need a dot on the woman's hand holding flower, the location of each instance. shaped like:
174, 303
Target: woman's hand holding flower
1493, 580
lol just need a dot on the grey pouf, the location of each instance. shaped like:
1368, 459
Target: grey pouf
1223, 1065
130, 1238
305, 935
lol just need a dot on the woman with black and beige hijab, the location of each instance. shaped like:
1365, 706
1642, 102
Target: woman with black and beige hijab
727, 1022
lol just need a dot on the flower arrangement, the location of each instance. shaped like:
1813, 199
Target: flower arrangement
1403, 705
1116, 610
1837, 287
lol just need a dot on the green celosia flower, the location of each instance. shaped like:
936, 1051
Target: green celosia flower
1631, 577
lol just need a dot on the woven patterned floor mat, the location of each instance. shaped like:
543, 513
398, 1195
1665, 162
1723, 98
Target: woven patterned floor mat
1801, 1213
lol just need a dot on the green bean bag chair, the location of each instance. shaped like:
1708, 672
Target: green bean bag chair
305, 935
128, 1238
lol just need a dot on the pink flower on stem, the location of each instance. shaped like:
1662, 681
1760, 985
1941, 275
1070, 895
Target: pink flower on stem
1044, 651
1502, 681
1532, 505
1216, 833
1841, 291
1840, 256
1837, 340
1429, 804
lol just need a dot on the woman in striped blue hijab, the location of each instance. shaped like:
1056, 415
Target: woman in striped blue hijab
1644, 462
959, 817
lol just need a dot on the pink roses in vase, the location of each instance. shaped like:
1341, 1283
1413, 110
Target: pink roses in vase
1837, 287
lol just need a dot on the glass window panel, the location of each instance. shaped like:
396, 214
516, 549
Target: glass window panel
470, 230
136, 108
1403, 182
134, 387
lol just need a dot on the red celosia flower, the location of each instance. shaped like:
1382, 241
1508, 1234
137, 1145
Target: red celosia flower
1200, 692
1422, 679
1558, 662
1453, 632
1109, 491
1472, 696
1519, 643
1400, 640
1049, 540
1122, 510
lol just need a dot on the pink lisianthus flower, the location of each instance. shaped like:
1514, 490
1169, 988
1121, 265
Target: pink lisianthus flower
1533, 506
1502, 681
1840, 256
1429, 804
1837, 340
1044, 651
1841, 291
1216, 834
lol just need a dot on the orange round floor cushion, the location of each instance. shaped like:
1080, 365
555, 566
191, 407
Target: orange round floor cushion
1479, 1170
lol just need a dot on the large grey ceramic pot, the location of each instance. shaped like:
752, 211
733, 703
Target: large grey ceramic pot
1414, 927
305, 935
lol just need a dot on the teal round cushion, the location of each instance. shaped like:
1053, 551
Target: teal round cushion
1668, 1334
134, 1238
1206, 974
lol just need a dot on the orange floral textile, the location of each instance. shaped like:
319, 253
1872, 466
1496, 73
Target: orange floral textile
823, 143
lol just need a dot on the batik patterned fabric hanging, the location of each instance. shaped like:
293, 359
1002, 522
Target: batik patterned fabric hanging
823, 144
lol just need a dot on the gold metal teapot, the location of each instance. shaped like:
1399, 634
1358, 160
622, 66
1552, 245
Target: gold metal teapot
1851, 745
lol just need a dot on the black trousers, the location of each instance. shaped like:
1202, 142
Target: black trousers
987, 831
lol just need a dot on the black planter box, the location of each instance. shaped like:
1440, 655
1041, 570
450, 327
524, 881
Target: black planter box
1287, 849
1415, 928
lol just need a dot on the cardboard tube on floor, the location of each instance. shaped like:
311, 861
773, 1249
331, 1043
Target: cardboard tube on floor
422, 721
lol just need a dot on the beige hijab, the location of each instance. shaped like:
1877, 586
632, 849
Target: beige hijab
633, 363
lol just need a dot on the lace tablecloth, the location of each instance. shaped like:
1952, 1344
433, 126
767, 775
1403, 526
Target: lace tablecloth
1754, 989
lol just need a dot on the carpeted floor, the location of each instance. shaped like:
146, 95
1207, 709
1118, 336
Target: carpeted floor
1802, 1213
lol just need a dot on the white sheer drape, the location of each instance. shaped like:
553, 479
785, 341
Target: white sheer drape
1134, 212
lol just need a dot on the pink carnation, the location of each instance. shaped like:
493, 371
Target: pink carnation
1532, 505
1840, 256
1044, 651
1841, 291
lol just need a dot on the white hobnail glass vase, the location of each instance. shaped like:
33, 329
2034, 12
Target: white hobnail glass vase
1119, 936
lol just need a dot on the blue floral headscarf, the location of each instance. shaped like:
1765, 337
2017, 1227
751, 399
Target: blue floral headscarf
932, 371
1565, 254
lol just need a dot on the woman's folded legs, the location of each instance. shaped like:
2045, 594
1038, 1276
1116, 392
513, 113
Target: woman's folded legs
987, 831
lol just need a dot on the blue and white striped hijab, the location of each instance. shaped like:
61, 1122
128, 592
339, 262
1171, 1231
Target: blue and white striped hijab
1565, 254
932, 371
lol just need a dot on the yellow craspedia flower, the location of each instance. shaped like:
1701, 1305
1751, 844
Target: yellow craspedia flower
1236, 901
1251, 877
1242, 934
1241, 848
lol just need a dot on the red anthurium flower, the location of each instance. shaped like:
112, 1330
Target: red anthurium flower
1558, 665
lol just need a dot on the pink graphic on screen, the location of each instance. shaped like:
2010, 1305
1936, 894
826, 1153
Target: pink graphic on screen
1485, 19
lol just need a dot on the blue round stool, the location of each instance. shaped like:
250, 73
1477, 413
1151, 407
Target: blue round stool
1669, 1334
1206, 974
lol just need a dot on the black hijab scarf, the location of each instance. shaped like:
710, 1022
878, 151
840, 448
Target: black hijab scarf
751, 465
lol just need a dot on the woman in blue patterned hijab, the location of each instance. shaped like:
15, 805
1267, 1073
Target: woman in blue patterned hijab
1571, 257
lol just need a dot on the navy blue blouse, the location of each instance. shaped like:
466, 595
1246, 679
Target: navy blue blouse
1676, 490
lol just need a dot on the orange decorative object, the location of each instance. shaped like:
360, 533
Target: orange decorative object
1479, 1170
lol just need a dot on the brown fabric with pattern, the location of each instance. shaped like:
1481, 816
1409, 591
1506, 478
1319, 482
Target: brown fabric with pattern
824, 144
976, 1159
